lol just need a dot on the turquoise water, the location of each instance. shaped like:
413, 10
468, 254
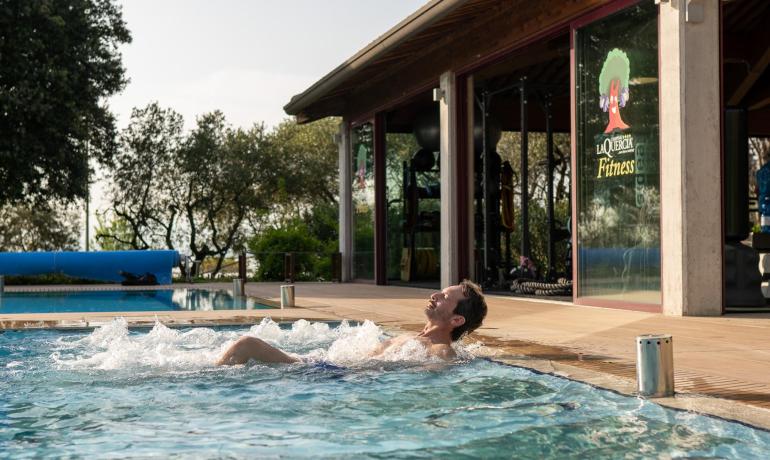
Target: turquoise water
119, 393
114, 301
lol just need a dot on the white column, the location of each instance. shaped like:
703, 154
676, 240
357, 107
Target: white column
448, 164
690, 152
345, 217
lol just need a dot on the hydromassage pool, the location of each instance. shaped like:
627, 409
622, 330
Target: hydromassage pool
119, 393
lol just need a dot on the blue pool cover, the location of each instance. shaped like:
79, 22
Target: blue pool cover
102, 266
124, 301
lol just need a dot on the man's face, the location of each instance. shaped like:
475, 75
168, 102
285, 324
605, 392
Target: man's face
441, 305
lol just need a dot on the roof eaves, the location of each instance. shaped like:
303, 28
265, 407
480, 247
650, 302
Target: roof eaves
414, 23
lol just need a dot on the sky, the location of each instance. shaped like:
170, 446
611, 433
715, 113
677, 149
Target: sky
246, 58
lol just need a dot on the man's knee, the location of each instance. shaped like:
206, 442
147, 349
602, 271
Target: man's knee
249, 342
246, 339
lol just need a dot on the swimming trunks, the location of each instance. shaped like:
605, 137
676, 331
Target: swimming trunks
327, 366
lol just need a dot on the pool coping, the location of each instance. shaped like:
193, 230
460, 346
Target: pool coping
725, 409
170, 318
614, 375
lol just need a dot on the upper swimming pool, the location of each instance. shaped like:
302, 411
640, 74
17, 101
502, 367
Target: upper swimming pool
127, 301
120, 393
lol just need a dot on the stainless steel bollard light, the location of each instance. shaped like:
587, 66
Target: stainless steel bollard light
655, 365
287, 296
238, 287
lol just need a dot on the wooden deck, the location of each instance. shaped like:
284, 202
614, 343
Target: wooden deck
727, 358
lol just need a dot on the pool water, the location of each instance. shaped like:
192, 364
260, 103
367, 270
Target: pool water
119, 301
120, 393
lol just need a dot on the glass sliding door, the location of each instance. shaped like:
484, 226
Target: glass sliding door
617, 133
413, 195
363, 211
399, 150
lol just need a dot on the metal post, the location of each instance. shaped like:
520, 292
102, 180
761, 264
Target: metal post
287, 296
525, 247
655, 365
88, 223
187, 268
288, 267
238, 287
550, 204
242, 266
337, 267
88, 196
507, 252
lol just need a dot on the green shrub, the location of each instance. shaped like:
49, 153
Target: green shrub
270, 248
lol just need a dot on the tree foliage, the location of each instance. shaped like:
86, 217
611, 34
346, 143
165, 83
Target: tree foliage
208, 191
39, 227
112, 233
189, 192
226, 175
58, 63
616, 67
304, 158
145, 180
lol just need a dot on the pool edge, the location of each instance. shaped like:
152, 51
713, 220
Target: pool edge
601, 374
724, 409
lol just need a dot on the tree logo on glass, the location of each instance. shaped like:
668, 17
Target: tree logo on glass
613, 88
361, 163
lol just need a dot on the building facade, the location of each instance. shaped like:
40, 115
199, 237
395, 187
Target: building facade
583, 139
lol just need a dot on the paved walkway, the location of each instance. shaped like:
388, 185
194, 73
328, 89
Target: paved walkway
724, 357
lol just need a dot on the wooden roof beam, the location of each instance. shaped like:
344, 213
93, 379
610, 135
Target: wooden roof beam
760, 104
760, 98
748, 82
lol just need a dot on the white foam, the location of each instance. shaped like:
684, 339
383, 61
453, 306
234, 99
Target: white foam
112, 347
353, 344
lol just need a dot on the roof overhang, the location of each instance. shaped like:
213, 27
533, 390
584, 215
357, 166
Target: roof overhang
335, 81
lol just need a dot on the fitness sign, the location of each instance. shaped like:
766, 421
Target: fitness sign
615, 147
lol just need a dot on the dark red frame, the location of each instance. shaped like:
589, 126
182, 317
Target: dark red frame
352, 125
380, 202
462, 189
600, 13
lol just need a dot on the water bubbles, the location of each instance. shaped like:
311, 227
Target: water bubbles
162, 349
112, 347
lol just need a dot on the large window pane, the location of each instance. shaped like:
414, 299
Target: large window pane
399, 150
363, 201
618, 193
414, 208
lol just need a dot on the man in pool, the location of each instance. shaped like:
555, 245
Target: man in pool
451, 313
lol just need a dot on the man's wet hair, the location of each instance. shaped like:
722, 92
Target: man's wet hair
473, 308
